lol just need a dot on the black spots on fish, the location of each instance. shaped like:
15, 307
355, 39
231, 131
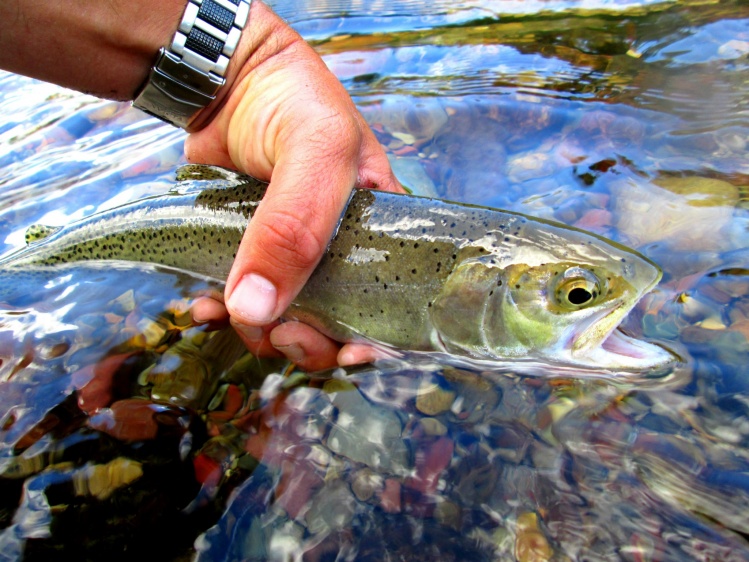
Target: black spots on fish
507, 239
517, 286
413, 271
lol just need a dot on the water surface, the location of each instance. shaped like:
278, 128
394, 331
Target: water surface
125, 431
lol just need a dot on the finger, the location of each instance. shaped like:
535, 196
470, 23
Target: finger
208, 146
292, 227
256, 339
358, 353
305, 346
376, 172
209, 311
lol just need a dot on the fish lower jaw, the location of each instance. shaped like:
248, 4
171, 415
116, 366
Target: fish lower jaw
622, 352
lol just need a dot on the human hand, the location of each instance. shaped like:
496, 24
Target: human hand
286, 119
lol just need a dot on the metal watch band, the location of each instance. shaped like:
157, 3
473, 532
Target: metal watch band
189, 71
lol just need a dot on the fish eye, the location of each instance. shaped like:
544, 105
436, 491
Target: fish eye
579, 296
577, 288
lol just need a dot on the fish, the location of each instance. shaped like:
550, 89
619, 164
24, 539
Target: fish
403, 273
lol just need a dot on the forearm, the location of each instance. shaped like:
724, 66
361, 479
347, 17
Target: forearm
100, 47
106, 48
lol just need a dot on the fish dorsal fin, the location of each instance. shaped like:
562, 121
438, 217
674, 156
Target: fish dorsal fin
37, 232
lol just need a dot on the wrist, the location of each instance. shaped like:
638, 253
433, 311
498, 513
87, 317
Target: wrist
254, 49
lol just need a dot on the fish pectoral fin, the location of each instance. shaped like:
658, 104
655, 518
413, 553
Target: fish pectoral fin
37, 232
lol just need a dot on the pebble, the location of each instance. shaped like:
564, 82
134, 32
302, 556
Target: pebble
432, 399
433, 427
366, 483
332, 509
525, 167
530, 543
365, 433
691, 212
100, 480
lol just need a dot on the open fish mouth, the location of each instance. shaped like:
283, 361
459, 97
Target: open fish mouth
604, 344
635, 354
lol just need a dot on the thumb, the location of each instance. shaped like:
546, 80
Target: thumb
289, 231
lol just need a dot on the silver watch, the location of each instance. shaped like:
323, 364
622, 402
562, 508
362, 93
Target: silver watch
189, 72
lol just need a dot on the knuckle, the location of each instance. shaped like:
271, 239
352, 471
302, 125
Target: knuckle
289, 242
337, 134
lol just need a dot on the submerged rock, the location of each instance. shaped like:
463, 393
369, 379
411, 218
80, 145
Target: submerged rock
365, 433
685, 213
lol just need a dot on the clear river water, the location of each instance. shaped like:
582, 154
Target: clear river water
128, 433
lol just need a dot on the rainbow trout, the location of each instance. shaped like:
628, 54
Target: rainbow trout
401, 272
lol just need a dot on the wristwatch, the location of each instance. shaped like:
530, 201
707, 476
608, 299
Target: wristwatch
189, 71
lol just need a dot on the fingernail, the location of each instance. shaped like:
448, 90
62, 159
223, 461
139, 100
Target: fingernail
348, 358
293, 352
254, 299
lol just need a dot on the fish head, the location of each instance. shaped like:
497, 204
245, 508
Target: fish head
560, 304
